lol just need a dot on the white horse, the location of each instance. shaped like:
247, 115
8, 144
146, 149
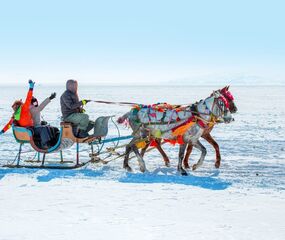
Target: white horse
152, 124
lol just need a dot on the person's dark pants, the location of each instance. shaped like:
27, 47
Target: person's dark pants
43, 135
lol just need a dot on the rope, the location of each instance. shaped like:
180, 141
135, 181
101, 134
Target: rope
115, 103
182, 106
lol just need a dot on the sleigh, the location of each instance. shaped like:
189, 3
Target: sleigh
65, 140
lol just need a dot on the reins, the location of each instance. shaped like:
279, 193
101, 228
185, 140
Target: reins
115, 103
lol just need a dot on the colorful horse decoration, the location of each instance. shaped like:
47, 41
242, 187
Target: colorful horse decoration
175, 124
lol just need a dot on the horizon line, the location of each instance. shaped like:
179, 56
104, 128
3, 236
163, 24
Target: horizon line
148, 85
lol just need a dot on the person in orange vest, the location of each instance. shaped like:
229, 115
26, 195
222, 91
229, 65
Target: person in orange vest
22, 115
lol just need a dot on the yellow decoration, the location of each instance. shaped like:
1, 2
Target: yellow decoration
141, 144
212, 122
156, 133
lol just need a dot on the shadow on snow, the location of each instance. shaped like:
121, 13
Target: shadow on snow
207, 182
158, 176
48, 175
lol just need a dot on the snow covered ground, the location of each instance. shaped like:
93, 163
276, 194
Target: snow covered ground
244, 199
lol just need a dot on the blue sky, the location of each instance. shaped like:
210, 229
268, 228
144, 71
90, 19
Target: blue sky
205, 42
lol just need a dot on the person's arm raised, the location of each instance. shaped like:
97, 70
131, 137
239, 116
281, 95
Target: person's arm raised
29, 95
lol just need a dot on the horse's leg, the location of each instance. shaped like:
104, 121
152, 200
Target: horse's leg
165, 157
187, 155
159, 148
144, 149
126, 159
129, 148
140, 159
203, 150
180, 158
212, 141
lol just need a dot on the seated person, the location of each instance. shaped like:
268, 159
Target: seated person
45, 135
72, 109
22, 116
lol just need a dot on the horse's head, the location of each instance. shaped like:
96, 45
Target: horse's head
227, 94
219, 107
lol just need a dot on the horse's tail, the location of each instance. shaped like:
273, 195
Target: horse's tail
123, 118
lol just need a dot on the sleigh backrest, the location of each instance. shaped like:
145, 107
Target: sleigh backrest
22, 134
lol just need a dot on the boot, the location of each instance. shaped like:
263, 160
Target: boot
90, 126
82, 134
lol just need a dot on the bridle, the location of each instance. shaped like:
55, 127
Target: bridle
222, 104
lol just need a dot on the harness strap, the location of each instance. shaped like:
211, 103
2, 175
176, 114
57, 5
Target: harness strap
206, 123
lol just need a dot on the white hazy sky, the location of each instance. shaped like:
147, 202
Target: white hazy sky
192, 42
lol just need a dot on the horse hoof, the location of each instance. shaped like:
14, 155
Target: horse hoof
184, 173
194, 167
217, 164
128, 168
167, 164
142, 169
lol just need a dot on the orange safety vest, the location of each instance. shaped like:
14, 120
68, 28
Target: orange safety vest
26, 119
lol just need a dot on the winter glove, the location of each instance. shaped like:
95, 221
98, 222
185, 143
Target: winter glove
120, 120
31, 83
84, 102
44, 123
52, 96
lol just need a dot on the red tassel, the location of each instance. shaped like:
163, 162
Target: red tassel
153, 143
180, 140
